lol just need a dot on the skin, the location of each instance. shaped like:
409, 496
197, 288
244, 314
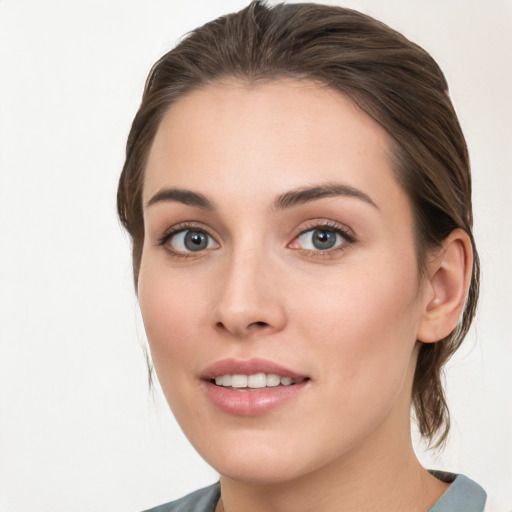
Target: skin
349, 317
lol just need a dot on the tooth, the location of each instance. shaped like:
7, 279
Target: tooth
257, 380
286, 381
273, 380
239, 381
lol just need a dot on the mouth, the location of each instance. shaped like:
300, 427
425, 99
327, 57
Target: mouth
252, 387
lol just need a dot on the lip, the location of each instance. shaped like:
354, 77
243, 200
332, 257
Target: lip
253, 402
247, 367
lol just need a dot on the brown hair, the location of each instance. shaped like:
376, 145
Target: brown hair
393, 80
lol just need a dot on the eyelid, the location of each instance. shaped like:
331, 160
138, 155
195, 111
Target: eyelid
329, 225
179, 228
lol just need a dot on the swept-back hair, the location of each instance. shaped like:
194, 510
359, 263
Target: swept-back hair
393, 80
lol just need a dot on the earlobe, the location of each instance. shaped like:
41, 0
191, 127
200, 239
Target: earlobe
449, 277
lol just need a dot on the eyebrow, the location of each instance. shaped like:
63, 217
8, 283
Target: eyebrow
183, 196
307, 194
287, 200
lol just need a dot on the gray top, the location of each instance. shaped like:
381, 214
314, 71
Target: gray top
463, 495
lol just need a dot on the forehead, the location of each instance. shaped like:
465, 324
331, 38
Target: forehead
244, 140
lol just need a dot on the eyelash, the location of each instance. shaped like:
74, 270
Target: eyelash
313, 225
333, 227
174, 230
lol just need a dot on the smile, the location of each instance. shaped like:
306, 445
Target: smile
252, 387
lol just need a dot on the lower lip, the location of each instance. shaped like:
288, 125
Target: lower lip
252, 402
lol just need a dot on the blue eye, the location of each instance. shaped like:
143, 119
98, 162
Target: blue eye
320, 239
190, 240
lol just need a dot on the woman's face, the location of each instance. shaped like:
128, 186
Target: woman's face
279, 248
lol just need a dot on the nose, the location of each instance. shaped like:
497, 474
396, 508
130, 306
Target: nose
249, 300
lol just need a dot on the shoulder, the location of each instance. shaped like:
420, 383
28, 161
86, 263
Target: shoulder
202, 500
463, 495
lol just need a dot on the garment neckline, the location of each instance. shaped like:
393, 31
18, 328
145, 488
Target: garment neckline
463, 494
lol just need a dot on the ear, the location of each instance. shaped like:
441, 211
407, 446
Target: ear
449, 276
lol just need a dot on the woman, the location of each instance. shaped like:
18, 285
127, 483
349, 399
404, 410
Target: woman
298, 194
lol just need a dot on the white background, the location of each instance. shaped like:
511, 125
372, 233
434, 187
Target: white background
79, 430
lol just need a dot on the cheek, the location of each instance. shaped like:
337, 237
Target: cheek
365, 324
171, 314
355, 301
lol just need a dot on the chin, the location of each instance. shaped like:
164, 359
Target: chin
260, 472
268, 458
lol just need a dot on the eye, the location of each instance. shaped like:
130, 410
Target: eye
188, 240
321, 238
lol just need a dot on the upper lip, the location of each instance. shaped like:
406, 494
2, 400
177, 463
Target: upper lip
247, 367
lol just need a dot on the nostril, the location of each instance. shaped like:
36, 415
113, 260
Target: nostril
243, 330
259, 324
